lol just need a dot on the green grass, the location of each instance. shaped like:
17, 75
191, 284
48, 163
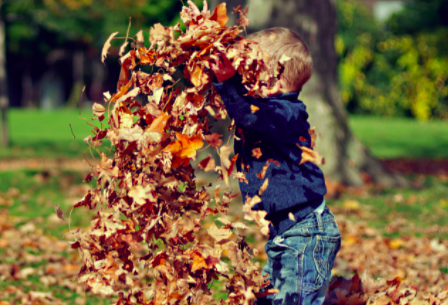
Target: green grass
47, 133
421, 208
39, 194
402, 137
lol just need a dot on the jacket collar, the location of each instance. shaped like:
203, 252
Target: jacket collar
290, 96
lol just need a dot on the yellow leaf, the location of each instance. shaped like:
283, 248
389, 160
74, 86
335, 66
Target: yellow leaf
198, 263
264, 186
351, 205
219, 234
98, 109
226, 163
158, 33
158, 124
254, 108
220, 14
107, 46
185, 147
196, 76
396, 243
309, 155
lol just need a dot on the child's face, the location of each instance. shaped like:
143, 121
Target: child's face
277, 88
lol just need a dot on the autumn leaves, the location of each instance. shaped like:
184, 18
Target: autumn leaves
152, 208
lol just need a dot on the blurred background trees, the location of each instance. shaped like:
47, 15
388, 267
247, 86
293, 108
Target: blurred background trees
389, 64
394, 66
53, 46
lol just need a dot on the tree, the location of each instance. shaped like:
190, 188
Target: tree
347, 160
4, 101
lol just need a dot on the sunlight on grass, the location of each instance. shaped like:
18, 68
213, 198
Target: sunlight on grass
39, 133
401, 137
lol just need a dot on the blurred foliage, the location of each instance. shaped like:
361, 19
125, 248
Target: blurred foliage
397, 68
42, 25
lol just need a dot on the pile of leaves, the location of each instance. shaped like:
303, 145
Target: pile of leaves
28, 254
407, 269
150, 208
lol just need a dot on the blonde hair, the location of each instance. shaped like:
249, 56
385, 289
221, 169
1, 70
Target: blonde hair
279, 41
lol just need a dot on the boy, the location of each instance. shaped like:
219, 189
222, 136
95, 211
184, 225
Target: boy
304, 238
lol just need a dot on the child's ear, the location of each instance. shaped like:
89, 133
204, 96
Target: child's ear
275, 90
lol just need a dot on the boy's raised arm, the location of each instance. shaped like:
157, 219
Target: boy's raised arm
281, 122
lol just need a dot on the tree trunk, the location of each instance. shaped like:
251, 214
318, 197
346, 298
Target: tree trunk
27, 89
4, 101
96, 86
315, 21
78, 74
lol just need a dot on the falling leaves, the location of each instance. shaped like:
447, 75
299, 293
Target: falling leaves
220, 14
262, 174
312, 132
243, 20
98, 109
107, 46
310, 155
226, 162
185, 147
214, 139
263, 187
217, 234
146, 183
208, 164
256, 152
254, 108
59, 213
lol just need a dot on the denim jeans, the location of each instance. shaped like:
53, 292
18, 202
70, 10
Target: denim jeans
300, 261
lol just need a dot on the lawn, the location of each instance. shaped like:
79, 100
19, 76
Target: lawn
47, 133
402, 137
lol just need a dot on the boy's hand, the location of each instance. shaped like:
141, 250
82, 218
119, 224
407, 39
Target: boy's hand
222, 68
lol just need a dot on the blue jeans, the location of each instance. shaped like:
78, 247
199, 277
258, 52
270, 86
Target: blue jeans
300, 261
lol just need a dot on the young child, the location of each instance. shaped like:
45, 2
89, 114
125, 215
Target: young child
304, 237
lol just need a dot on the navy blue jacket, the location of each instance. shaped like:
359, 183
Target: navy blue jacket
275, 128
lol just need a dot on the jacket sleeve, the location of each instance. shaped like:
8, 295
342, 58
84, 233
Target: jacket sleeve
277, 121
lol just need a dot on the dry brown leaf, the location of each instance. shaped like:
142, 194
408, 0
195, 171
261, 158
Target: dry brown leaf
254, 108
123, 48
185, 147
213, 139
241, 177
256, 152
208, 164
309, 155
226, 164
312, 132
262, 174
107, 46
218, 234
263, 187
98, 109
59, 213
220, 14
